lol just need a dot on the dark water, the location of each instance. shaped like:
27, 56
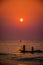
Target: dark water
12, 56
12, 62
15, 63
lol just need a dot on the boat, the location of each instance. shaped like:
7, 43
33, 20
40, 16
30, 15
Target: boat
23, 50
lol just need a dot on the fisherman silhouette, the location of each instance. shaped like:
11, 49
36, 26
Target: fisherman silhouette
32, 49
24, 48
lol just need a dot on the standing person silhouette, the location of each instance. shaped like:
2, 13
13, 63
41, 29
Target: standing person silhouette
23, 47
32, 49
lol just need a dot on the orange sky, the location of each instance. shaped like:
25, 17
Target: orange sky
15, 9
12, 10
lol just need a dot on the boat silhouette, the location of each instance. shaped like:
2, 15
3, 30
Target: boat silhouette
23, 50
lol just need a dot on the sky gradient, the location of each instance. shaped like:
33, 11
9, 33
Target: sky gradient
10, 13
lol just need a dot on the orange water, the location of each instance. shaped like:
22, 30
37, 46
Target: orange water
13, 47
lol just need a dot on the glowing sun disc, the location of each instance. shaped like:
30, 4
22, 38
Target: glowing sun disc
21, 19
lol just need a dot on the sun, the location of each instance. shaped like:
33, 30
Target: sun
21, 19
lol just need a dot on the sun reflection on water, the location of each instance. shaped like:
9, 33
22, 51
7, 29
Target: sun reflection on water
21, 64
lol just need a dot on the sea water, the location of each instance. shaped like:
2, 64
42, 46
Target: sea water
11, 48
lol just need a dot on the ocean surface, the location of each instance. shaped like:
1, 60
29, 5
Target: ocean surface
10, 54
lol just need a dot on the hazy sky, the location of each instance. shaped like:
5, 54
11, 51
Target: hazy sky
10, 13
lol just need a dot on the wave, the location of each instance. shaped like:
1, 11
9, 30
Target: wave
4, 56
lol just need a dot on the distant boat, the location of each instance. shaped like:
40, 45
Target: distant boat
23, 50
